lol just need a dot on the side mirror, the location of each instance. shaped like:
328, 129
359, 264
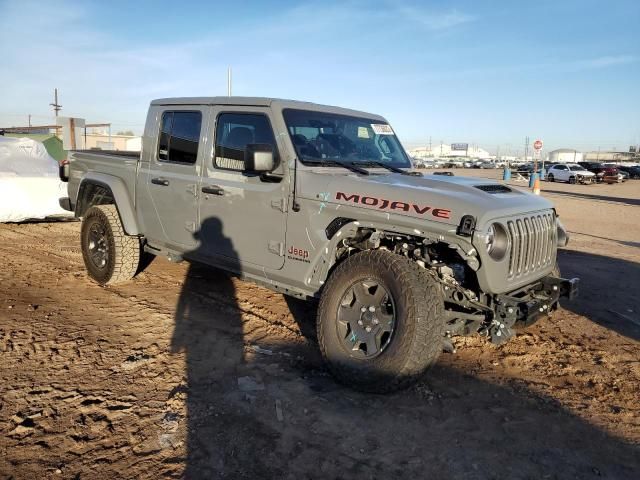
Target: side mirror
63, 170
259, 158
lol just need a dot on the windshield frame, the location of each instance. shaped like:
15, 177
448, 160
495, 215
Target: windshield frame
311, 161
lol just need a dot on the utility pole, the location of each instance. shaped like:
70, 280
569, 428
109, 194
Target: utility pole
430, 151
56, 107
526, 148
228, 81
29, 119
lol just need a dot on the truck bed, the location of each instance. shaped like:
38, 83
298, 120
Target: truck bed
115, 153
113, 163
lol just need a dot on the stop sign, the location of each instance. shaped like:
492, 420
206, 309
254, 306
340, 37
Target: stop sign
537, 144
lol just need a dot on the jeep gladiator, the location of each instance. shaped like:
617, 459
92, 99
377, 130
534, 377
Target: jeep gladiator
320, 202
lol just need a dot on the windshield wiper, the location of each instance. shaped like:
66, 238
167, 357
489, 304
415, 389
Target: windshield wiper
335, 163
390, 168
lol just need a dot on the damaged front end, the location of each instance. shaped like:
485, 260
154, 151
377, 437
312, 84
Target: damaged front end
498, 316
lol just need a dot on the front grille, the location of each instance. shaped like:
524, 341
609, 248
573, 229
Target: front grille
533, 243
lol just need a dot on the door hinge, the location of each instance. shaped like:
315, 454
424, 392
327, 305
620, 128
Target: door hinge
190, 226
279, 204
276, 247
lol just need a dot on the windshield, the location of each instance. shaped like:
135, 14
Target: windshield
319, 137
576, 168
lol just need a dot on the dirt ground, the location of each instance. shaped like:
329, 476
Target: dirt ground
186, 373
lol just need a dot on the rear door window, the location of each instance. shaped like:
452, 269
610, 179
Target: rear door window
179, 136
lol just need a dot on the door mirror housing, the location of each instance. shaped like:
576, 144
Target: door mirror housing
259, 158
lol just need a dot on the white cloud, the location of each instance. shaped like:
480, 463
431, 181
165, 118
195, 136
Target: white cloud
604, 62
434, 21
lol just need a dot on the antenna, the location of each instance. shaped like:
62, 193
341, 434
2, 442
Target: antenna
56, 107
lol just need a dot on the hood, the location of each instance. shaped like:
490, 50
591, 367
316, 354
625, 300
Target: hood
435, 197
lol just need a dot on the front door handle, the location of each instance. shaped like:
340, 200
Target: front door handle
213, 190
160, 181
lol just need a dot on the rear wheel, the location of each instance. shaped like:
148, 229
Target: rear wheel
110, 255
572, 180
550, 177
380, 321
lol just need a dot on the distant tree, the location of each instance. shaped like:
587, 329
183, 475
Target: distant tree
125, 132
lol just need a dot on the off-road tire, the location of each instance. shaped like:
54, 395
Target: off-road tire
123, 250
417, 339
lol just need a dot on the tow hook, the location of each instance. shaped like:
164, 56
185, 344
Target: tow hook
499, 332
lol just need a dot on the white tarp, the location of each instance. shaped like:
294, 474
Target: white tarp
29, 182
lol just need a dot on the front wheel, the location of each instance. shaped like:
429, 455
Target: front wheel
380, 321
110, 255
550, 177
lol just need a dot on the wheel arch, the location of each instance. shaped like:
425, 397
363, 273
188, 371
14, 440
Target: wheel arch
102, 189
341, 229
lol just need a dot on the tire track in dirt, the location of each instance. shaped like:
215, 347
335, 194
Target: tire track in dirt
92, 387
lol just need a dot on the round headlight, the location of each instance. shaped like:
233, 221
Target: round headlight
497, 241
490, 238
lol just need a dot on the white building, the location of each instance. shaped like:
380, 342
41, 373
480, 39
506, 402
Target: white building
565, 155
444, 150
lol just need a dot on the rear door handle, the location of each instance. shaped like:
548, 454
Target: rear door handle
213, 190
160, 181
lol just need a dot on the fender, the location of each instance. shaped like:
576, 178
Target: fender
118, 193
340, 228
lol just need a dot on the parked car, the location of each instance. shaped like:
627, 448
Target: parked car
603, 173
632, 170
487, 165
571, 173
291, 196
525, 169
418, 163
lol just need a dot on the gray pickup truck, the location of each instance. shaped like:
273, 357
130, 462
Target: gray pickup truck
320, 202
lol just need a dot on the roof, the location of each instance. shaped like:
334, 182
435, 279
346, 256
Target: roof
565, 150
262, 102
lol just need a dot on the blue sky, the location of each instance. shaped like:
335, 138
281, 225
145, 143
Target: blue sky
477, 71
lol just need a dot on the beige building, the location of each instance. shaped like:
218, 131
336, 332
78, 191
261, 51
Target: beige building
104, 141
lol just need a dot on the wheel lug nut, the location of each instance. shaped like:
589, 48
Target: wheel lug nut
375, 321
360, 322
363, 309
372, 308
368, 329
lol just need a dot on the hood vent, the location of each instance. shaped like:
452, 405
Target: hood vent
494, 188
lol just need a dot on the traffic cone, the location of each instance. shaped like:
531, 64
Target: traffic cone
536, 185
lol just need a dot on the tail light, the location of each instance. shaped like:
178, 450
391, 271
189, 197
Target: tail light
63, 170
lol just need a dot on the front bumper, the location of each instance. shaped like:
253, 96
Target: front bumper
525, 306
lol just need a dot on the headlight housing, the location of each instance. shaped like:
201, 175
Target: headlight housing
496, 241
563, 236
